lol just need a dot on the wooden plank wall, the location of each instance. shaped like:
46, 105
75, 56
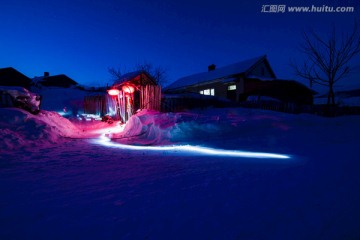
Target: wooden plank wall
150, 97
95, 105
122, 107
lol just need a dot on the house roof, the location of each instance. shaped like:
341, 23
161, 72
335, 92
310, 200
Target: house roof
127, 77
131, 77
11, 77
220, 73
60, 80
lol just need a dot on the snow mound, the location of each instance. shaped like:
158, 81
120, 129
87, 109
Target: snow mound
19, 128
147, 128
215, 126
155, 128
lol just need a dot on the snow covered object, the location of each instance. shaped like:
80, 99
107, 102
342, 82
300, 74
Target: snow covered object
20, 129
13, 96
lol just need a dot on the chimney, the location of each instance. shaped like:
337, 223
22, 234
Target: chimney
211, 67
46, 74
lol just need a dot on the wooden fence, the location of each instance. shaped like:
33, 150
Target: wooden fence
95, 105
273, 106
182, 103
174, 103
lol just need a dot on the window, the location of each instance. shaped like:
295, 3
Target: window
210, 91
231, 87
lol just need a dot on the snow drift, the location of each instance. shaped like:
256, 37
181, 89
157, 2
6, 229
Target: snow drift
147, 128
19, 128
232, 129
70, 188
155, 128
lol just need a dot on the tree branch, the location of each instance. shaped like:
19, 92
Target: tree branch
328, 60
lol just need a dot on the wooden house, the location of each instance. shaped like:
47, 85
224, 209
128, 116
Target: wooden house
225, 82
135, 91
131, 92
238, 81
60, 80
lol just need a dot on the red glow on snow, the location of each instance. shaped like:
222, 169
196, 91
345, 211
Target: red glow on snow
128, 89
113, 92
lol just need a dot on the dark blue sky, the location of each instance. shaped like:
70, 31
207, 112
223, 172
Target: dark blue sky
82, 38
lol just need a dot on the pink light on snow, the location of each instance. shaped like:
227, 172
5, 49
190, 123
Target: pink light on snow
118, 128
105, 141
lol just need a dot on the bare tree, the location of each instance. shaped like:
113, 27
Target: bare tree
328, 60
114, 72
157, 72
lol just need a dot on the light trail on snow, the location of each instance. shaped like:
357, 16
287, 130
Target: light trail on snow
105, 141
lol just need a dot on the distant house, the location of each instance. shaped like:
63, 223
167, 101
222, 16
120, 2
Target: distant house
11, 77
227, 82
60, 80
236, 82
131, 92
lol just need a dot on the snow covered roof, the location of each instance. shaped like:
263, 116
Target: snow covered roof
60, 80
131, 76
127, 77
219, 73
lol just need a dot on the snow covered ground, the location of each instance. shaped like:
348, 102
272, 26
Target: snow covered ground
91, 180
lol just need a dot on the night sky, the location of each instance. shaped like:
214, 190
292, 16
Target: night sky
83, 38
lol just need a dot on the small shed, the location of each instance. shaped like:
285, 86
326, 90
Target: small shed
135, 91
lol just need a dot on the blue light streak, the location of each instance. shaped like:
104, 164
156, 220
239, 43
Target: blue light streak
105, 141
